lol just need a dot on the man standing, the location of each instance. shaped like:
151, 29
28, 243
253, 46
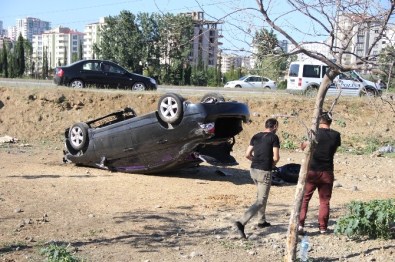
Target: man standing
264, 153
320, 174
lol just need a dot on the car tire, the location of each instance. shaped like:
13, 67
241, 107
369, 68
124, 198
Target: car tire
368, 91
78, 136
267, 87
170, 108
238, 86
212, 98
77, 83
311, 91
138, 86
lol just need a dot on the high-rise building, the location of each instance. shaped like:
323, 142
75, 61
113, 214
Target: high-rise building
319, 48
92, 36
28, 27
205, 43
356, 35
61, 45
1, 28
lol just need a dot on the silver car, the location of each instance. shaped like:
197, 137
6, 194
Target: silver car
252, 81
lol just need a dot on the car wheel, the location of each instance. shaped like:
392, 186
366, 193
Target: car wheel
78, 136
212, 98
138, 86
311, 91
368, 91
76, 83
170, 108
238, 86
267, 87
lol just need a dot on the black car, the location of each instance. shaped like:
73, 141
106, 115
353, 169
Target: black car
178, 134
102, 74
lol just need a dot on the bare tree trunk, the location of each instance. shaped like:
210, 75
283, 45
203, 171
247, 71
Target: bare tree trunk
389, 77
294, 219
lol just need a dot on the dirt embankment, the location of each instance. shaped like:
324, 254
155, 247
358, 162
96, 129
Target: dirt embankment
42, 114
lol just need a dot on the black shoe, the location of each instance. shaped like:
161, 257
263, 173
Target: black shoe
240, 229
264, 224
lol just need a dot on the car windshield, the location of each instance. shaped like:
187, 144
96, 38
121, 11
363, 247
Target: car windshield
242, 78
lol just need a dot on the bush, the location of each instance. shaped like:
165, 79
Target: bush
282, 85
55, 253
375, 219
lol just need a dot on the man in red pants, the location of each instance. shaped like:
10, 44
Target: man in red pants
320, 175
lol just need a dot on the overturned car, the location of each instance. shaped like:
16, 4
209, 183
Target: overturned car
179, 134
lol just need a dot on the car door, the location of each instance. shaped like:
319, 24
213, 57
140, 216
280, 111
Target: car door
346, 84
257, 82
250, 82
91, 73
115, 76
264, 82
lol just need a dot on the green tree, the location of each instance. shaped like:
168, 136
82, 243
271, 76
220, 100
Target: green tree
80, 49
149, 28
12, 69
268, 61
3, 60
176, 32
387, 63
45, 69
65, 56
122, 41
19, 67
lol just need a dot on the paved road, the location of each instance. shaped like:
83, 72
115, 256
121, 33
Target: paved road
7, 82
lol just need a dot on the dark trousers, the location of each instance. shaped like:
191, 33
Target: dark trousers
323, 180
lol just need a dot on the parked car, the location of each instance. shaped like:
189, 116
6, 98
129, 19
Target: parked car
305, 77
252, 81
178, 134
101, 73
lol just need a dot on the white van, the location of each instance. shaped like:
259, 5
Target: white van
306, 77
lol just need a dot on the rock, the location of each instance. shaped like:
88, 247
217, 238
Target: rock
252, 252
8, 139
195, 254
355, 188
18, 210
91, 215
336, 185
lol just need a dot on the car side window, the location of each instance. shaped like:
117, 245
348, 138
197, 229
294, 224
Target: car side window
116, 69
249, 79
105, 67
311, 71
294, 70
91, 66
258, 79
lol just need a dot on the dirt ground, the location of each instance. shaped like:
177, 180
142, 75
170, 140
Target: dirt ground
185, 215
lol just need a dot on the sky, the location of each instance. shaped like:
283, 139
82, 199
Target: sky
75, 14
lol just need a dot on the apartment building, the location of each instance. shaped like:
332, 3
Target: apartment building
205, 43
28, 27
229, 61
361, 34
91, 36
2, 30
320, 48
61, 44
